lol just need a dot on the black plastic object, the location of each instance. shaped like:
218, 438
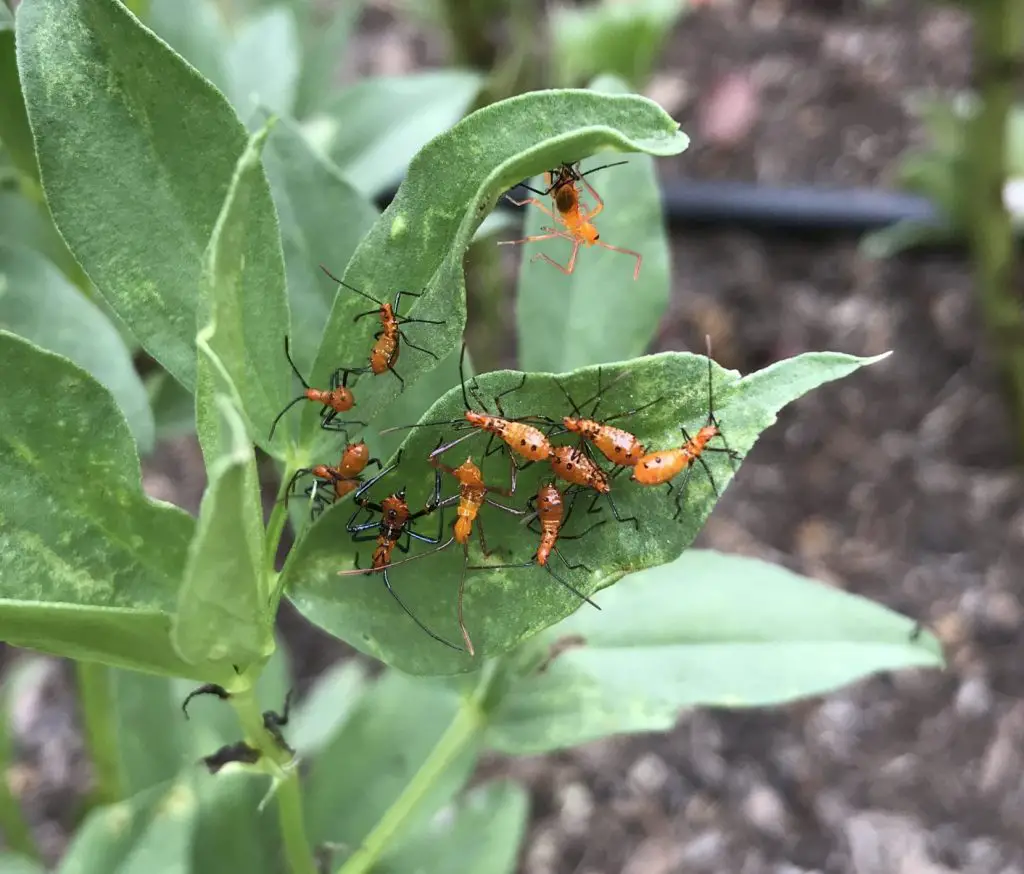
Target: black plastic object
802, 209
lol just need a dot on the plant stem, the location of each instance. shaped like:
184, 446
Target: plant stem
998, 47
288, 796
17, 834
96, 699
468, 722
293, 826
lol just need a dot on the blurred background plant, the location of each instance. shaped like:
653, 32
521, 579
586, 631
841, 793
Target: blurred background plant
296, 57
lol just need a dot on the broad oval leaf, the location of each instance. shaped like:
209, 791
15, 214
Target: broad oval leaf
39, 303
263, 62
195, 31
89, 566
373, 129
224, 612
14, 130
242, 306
611, 37
480, 833
706, 630
598, 313
107, 100
395, 726
323, 218
503, 607
419, 241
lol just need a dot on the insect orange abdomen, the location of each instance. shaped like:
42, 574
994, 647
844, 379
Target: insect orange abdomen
527, 441
570, 464
549, 511
659, 467
382, 553
343, 487
354, 459
618, 446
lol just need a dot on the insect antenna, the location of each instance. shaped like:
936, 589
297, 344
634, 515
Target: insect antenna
351, 287
732, 453
293, 402
412, 616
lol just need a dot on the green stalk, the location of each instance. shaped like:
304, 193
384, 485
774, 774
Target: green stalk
468, 722
998, 47
17, 834
288, 796
96, 698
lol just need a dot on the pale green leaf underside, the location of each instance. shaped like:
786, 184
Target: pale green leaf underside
223, 609
89, 566
503, 607
706, 630
452, 184
38, 303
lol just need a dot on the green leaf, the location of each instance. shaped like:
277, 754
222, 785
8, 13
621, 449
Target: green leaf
149, 116
223, 607
503, 607
29, 224
231, 833
196, 32
12, 863
373, 129
706, 630
152, 828
326, 707
624, 39
419, 241
356, 778
89, 566
14, 130
323, 218
165, 846
243, 304
481, 834
263, 62
40, 304
174, 408
599, 313
322, 45
151, 732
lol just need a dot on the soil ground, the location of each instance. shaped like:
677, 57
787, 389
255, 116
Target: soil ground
898, 483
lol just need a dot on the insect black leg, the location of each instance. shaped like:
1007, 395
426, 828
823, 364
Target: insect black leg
569, 585
498, 397
398, 377
417, 348
401, 604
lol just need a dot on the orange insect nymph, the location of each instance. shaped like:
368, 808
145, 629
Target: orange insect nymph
550, 509
337, 399
574, 218
660, 467
396, 520
386, 348
354, 458
574, 466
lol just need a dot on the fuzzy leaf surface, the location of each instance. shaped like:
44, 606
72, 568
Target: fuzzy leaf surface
89, 566
419, 241
136, 152
503, 607
707, 630
40, 304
